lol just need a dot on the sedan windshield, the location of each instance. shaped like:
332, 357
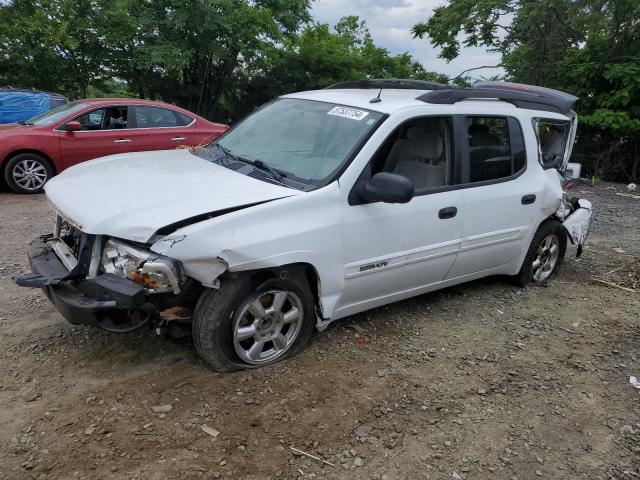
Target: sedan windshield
305, 139
56, 114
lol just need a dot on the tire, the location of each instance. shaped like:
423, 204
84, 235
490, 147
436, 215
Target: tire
224, 319
27, 173
540, 252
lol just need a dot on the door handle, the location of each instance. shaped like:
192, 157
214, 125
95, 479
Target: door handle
122, 140
178, 139
528, 199
448, 212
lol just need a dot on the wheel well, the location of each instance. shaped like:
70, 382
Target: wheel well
308, 270
564, 237
28, 150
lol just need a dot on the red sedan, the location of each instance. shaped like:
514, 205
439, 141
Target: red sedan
32, 152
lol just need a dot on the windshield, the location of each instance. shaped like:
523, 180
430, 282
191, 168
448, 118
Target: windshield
56, 114
305, 139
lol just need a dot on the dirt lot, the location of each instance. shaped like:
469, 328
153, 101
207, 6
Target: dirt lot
484, 380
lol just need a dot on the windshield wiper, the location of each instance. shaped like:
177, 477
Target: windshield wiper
263, 166
278, 176
225, 153
259, 164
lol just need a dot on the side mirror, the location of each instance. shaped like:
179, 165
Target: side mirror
73, 126
388, 188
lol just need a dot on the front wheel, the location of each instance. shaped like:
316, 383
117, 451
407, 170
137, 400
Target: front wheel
244, 325
27, 173
545, 254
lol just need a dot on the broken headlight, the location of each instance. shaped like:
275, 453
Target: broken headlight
155, 273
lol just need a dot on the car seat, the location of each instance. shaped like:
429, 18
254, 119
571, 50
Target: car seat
417, 157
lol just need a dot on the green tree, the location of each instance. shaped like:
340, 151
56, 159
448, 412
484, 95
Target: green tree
219, 58
588, 47
190, 51
59, 45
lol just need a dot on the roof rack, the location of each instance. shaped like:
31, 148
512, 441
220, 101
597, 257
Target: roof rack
390, 83
522, 96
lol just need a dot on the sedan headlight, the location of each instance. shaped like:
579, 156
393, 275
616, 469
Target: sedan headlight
154, 272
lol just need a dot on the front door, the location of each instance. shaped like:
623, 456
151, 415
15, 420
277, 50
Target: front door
103, 132
395, 251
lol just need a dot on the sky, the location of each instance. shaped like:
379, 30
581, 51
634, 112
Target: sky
390, 23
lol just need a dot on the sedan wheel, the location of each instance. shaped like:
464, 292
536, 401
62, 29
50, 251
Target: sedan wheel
267, 326
27, 173
30, 175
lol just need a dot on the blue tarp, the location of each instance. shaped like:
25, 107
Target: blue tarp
16, 106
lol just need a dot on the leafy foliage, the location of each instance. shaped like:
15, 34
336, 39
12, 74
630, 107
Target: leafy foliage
59, 45
219, 58
589, 48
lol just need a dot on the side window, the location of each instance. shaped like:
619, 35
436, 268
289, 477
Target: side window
155, 117
496, 148
421, 150
552, 142
183, 119
109, 118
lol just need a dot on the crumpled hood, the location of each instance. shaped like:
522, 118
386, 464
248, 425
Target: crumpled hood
132, 195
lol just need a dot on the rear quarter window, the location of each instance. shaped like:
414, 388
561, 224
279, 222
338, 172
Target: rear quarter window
183, 119
552, 141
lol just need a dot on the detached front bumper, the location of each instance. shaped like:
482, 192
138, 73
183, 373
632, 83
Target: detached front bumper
578, 223
79, 300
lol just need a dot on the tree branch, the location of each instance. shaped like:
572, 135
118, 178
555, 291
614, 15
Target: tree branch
506, 29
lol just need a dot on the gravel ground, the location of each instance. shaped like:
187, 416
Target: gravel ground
480, 381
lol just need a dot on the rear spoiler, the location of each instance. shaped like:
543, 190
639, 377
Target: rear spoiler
520, 95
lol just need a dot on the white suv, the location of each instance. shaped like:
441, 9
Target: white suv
317, 206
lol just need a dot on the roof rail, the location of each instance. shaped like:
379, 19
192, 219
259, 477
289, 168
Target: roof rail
522, 96
391, 83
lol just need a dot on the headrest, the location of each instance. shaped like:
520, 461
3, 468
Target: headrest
426, 145
416, 132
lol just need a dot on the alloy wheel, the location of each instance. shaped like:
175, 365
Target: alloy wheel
267, 326
546, 258
30, 175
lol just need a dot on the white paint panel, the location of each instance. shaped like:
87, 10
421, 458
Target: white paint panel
130, 196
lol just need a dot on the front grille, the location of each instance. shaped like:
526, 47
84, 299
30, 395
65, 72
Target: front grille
78, 244
71, 236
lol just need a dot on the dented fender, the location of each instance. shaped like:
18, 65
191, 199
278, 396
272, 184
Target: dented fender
578, 223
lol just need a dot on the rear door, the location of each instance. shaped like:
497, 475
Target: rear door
104, 131
159, 128
501, 197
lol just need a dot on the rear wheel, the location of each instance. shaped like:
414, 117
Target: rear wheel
247, 325
27, 173
545, 254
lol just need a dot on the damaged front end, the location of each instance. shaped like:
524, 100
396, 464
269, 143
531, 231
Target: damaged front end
111, 284
575, 215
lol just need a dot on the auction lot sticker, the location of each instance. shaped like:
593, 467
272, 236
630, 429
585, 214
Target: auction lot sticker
346, 112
